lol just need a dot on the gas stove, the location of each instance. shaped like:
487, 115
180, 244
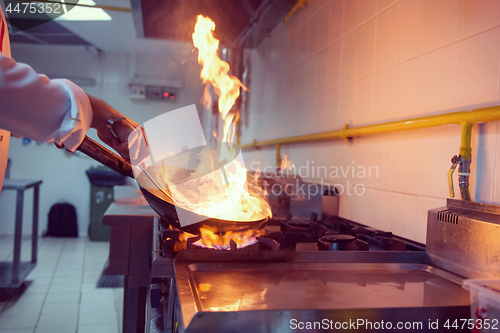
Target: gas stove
300, 234
299, 271
302, 272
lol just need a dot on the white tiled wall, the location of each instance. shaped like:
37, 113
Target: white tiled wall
369, 61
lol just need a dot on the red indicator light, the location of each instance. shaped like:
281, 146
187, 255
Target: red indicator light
167, 94
172, 97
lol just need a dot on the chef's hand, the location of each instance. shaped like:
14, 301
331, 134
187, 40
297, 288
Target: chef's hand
129, 141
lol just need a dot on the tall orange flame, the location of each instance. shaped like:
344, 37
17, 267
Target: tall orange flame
230, 201
215, 72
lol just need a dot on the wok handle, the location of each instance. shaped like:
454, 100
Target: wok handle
102, 155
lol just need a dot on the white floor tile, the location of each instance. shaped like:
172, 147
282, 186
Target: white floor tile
89, 287
98, 317
65, 288
16, 310
93, 306
61, 292
56, 329
69, 271
66, 280
119, 293
37, 274
29, 299
36, 289
60, 308
69, 297
95, 271
22, 321
58, 320
90, 279
38, 281
98, 328
98, 296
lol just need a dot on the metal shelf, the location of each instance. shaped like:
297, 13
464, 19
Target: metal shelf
12, 274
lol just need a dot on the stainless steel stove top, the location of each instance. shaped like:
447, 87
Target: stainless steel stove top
315, 286
289, 279
293, 276
260, 289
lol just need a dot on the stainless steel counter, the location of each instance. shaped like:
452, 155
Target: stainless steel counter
265, 297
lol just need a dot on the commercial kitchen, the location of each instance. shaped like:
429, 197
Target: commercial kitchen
314, 166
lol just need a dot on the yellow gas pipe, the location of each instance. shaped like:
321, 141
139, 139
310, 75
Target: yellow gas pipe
464, 118
278, 155
471, 117
465, 148
464, 161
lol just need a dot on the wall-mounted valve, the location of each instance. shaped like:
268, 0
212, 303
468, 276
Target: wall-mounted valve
463, 176
463, 161
454, 163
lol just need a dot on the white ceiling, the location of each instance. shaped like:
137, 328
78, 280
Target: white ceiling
118, 35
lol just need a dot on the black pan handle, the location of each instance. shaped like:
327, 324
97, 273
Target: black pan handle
102, 155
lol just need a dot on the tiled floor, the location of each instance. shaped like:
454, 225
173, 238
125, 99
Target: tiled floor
59, 295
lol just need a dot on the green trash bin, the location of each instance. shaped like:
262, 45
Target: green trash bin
102, 180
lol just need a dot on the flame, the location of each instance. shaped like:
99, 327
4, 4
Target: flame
208, 196
215, 72
181, 243
286, 164
184, 236
206, 100
209, 239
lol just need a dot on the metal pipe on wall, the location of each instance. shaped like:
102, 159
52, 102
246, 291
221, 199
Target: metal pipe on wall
465, 161
464, 118
455, 118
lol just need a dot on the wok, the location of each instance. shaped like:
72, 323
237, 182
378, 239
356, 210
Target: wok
160, 203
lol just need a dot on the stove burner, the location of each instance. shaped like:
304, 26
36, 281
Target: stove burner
338, 238
265, 242
307, 226
341, 242
299, 234
295, 226
304, 225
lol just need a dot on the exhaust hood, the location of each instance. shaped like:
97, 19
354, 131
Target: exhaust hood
240, 23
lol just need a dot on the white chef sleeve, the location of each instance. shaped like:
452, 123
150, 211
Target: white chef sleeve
35, 107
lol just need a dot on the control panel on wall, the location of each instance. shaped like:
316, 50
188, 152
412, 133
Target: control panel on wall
152, 92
